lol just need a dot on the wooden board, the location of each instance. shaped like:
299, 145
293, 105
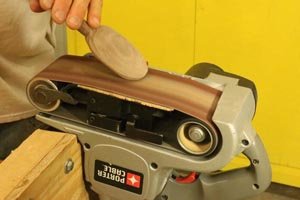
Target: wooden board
36, 170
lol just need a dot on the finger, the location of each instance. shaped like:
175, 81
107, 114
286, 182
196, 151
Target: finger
94, 14
46, 4
35, 6
77, 13
60, 10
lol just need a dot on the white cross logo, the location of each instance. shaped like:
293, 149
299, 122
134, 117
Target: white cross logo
133, 180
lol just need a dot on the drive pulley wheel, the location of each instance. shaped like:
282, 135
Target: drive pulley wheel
196, 138
39, 99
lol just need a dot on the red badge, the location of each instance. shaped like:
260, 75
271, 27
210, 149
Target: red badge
133, 180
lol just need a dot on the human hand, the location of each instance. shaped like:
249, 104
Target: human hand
70, 11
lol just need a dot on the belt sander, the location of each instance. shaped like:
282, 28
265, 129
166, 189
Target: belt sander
164, 137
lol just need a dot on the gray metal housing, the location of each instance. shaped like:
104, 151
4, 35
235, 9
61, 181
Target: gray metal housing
232, 116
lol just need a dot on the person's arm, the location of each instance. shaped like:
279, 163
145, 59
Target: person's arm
70, 11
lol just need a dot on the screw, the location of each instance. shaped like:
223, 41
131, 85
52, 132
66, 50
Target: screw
197, 134
255, 161
92, 100
69, 165
255, 186
245, 142
92, 119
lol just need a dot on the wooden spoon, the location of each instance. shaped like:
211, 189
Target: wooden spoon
115, 52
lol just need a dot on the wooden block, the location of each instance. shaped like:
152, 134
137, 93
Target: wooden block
36, 170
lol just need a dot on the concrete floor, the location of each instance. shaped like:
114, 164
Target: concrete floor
279, 192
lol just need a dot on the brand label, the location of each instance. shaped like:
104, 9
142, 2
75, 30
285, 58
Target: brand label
120, 177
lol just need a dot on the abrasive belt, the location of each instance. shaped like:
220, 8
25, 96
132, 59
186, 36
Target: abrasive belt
160, 89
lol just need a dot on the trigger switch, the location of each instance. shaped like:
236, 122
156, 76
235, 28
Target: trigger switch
192, 177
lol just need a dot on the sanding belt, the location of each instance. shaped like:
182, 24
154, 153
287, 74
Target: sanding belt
158, 89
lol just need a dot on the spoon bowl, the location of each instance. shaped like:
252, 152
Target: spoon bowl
114, 51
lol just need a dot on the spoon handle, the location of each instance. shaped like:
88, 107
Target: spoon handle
85, 29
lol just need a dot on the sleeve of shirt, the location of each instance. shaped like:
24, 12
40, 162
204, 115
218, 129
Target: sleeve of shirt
27, 44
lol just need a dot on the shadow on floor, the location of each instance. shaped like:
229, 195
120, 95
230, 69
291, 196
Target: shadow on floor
279, 192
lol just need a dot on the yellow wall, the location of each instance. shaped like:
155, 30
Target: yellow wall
257, 39
162, 31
